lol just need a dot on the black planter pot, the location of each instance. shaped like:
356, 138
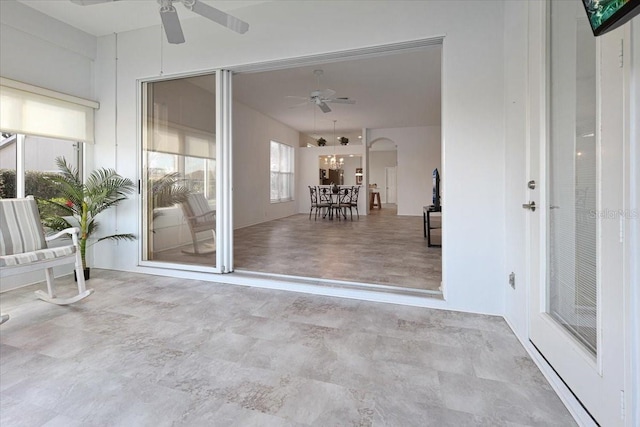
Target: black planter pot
87, 274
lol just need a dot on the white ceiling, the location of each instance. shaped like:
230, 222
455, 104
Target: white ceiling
121, 15
395, 90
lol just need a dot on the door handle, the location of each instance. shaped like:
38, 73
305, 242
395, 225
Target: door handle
531, 206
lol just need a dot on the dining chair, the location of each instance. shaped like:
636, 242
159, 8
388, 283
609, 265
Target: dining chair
316, 203
343, 202
355, 191
326, 200
313, 193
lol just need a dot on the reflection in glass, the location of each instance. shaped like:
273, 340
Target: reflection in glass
179, 152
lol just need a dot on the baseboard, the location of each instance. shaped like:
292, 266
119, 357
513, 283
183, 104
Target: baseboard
579, 414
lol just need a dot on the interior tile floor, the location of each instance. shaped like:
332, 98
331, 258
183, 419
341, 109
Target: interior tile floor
363, 250
154, 351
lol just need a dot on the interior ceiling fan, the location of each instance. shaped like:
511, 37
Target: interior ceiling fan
320, 97
171, 23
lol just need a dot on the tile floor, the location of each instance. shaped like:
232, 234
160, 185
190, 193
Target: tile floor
354, 251
155, 351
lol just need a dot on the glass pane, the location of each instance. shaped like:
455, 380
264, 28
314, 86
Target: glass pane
179, 151
274, 185
8, 166
275, 156
284, 158
572, 175
40, 163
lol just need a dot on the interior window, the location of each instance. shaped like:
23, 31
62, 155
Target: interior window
281, 172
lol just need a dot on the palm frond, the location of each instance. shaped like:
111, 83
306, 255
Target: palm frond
56, 223
69, 173
59, 205
105, 205
127, 236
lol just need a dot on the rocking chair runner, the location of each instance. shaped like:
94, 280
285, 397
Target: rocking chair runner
23, 248
200, 217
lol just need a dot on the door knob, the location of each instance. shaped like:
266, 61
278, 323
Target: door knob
531, 206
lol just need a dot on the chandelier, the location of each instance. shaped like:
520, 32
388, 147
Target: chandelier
334, 162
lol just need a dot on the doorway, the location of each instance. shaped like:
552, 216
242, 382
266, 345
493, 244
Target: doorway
275, 104
390, 174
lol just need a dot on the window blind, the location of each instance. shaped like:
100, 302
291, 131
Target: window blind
31, 110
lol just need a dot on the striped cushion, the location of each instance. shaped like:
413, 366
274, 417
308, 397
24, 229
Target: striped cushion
35, 256
20, 227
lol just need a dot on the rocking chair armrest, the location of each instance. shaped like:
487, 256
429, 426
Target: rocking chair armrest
73, 231
201, 215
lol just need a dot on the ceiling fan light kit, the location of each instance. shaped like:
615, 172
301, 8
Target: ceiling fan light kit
171, 22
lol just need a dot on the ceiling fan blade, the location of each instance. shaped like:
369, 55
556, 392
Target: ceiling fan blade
297, 97
91, 2
216, 15
324, 107
171, 24
302, 104
340, 101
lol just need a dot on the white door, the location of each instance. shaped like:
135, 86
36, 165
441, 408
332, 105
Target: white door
576, 160
390, 184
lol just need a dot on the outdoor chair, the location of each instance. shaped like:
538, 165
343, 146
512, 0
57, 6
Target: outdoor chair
23, 248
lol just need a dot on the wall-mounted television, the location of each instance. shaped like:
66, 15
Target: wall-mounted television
606, 15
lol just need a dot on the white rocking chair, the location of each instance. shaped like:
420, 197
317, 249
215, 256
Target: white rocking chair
23, 248
200, 217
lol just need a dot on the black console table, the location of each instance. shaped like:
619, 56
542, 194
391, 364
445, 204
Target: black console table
426, 222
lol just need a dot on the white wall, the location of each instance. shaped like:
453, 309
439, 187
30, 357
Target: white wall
253, 133
473, 109
418, 154
42, 51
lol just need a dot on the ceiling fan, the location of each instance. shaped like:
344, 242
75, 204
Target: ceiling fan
171, 23
323, 97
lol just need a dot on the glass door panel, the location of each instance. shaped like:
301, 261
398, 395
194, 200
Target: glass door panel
179, 171
572, 178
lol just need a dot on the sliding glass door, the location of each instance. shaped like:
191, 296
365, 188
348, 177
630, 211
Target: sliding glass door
179, 171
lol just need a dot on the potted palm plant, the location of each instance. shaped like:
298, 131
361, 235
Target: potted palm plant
79, 203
